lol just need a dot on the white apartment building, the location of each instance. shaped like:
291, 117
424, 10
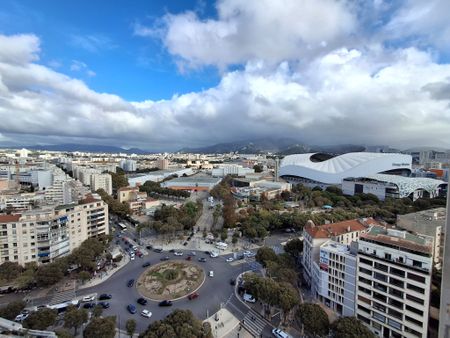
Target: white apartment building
42, 235
101, 181
19, 202
128, 165
393, 282
334, 277
231, 169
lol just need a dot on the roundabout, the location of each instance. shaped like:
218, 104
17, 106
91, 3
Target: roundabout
170, 280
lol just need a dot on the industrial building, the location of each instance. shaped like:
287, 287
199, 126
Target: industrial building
157, 176
192, 183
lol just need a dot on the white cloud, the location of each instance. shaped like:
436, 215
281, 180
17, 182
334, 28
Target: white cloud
79, 66
94, 43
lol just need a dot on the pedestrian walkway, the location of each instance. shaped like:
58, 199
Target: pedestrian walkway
254, 323
61, 297
222, 323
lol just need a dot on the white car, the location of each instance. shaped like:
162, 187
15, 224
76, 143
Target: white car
21, 317
230, 259
246, 253
211, 273
89, 298
249, 298
214, 254
177, 253
146, 313
280, 334
132, 257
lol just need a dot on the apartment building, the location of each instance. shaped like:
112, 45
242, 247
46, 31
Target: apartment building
334, 277
128, 165
393, 282
101, 181
42, 235
315, 235
162, 164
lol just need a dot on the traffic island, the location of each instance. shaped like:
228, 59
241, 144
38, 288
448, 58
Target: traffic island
170, 280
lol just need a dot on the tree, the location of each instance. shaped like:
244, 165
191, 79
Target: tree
313, 318
97, 311
131, 327
350, 327
258, 168
74, 318
63, 333
10, 271
223, 234
101, 328
119, 180
178, 324
49, 274
41, 319
11, 310
265, 254
84, 276
294, 247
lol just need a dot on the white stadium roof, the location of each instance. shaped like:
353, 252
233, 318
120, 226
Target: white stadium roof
335, 169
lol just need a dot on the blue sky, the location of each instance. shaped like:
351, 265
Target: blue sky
163, 75
101, 36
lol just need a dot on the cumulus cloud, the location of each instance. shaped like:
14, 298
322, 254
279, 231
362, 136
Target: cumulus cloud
319, 87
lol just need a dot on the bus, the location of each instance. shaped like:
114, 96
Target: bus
62, 307
122, 227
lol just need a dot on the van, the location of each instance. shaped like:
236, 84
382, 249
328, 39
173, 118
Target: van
280, 334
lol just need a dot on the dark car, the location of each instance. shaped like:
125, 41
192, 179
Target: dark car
104, 305
202, 259
88, 305
131, 309
142, 301
165, 303
149, 247
139, 254
164, 258
185, 243
104, 296
207, 253
130, 283
172, 250
193, 296
232, 281
188, 258
147, 264
157, 250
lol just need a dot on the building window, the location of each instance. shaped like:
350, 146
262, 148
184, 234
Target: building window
395, 314
415, 299
394, 324
415, 277
414, 321
379, 317
413, 309
397, 272
415, 288
381, 267
417, 264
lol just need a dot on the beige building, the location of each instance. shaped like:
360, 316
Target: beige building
101, 181
126, 194
42, 235
162, 164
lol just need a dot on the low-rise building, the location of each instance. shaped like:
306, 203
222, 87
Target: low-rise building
231, 169
192, 183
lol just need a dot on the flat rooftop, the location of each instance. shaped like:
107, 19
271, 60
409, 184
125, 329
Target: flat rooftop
423, 222
195, 179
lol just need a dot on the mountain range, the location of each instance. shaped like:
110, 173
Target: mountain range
88, 148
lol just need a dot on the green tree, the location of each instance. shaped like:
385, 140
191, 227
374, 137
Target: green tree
119, 180
223, 234
84, 276
63, 333
74, 318
49, 274
294, 247
101, 328
266, 254
9, 271
41, 319
11, 310
97, 311
350, 327
131, 327
258, 168
178, 324
313, 319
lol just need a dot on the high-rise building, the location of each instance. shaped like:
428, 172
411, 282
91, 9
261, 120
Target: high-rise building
444, 311
393, 282
101, 181
162, 164
42, 235
128, 165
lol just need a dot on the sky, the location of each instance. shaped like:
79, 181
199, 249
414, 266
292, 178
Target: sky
162, 75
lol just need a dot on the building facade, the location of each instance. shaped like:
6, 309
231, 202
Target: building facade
101, 181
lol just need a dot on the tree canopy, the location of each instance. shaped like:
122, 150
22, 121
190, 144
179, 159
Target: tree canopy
313, 318
74, 318
350, 327
12, 309
101, 328
41, 319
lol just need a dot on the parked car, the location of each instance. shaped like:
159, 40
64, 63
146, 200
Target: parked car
89, 305
158, 250
280, 334
207, 253
130, 283
178, 253
142, 301
230, 259
89, 298
146, 313
192, 253
139, 254
104, 305
146, 264
21, 317
149, 247
164, 258
232, 281
172, 250
248, 298
165, 303
214, 254
131, 309
104, 296
132, 257
202, 259
193, 296
185, 243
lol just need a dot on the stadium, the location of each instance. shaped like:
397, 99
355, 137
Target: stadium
319, 169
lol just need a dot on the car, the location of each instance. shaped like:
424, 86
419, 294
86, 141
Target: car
280, 334
207, 253
104, 305
149, 247
135, 248
130, 283
230, 259
193, 296
89, 298
132, 257
193, 253
164, 258
202, 259
185, 243
117, 242
211, 273
146, 264
131, 309
21, 317
248, 298
104, 296
188, 258
214, 254
172, 250
158, 250
165, 303
88, 305
139, 254
177, 253
146, 313
232, 281
142, 301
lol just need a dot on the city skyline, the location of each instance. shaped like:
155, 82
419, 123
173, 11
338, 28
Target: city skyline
194, 73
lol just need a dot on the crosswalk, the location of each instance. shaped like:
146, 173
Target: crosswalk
278, 249
61, 297
253, 323
253, 264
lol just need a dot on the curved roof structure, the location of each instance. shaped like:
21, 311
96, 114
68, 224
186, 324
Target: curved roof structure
407, 185
334, 170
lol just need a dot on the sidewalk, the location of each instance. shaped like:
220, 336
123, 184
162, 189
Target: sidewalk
226, 322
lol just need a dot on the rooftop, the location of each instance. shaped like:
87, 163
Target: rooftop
423, 222
9, 218
339, 228
398, 238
